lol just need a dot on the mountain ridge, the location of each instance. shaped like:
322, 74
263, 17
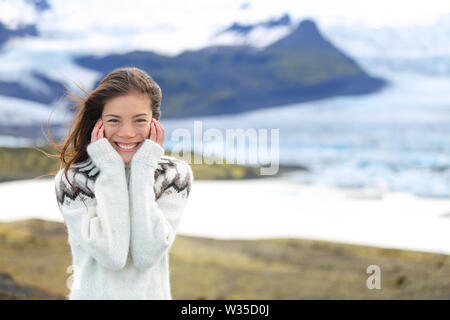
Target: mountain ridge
227, 79
21, 31
216, 80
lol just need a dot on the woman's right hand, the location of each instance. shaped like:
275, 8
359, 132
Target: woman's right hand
98, 132
102, 153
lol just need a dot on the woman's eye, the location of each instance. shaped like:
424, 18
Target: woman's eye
115, 121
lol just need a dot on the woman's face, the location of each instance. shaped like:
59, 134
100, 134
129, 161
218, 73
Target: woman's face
127, 123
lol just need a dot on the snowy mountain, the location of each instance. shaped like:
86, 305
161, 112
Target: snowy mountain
258, 35
7, 34
44, 39
294, 58
421, 49
302, 66
416, 41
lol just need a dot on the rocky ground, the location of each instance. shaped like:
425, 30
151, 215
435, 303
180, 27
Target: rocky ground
36, 256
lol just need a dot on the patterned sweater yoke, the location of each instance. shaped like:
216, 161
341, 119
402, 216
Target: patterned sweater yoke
171, 175
122, 220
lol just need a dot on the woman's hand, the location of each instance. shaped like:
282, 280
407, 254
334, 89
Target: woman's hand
98, 132
157, 132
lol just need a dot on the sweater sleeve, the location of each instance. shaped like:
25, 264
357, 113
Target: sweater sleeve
154, 222
102, 228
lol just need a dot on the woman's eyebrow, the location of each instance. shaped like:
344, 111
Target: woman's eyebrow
116, 116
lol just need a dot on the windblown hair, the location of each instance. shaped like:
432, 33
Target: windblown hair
89, 108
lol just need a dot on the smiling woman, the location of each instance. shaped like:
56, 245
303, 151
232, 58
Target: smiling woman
127, 121
124, 92
121, 198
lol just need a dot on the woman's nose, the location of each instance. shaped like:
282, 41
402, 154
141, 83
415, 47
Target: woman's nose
127, 131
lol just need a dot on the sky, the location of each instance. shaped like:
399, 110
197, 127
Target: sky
169, 25
78, 14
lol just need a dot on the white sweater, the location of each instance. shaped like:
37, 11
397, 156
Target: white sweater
121, 235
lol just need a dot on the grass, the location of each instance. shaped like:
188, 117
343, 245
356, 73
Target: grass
29, 163
35, 252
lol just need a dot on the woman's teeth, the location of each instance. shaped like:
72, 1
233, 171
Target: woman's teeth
127, 147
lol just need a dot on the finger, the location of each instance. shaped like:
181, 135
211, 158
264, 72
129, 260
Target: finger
94, 133
158, 130
160, 133
163, 134
102, 132
150, 131
153, 132
99, 131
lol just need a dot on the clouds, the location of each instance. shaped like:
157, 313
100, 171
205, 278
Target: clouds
170, 26
14, 13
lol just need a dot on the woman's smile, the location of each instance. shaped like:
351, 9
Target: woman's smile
127, 147
127, 120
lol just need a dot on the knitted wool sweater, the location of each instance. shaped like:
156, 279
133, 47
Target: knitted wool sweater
122, 220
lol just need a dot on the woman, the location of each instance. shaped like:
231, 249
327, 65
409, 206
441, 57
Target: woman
121, 198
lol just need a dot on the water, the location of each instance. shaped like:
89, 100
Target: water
396, 139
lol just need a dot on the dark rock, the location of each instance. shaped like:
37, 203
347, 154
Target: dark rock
21, 31
400, 280
11, 290
54, 90
40, 5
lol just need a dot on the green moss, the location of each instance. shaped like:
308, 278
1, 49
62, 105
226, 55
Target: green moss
29, 163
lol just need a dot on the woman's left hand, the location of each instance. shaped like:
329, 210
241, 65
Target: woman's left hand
157, 132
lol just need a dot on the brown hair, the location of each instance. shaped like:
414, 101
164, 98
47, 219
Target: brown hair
89, 108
